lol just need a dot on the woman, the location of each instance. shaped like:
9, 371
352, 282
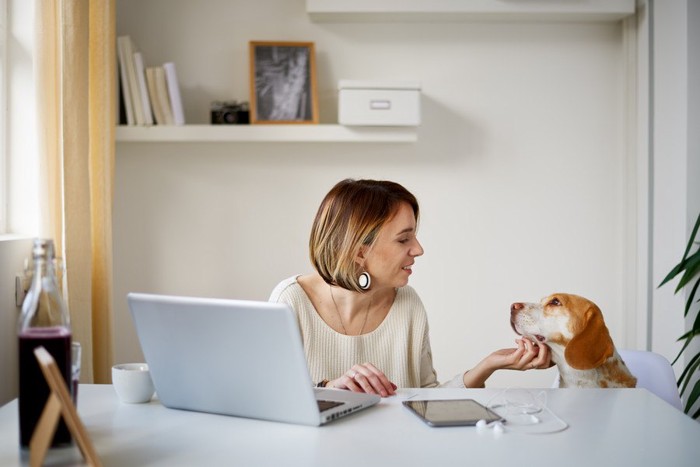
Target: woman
364, 329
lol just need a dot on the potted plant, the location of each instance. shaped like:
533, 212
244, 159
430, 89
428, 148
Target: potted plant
689, 270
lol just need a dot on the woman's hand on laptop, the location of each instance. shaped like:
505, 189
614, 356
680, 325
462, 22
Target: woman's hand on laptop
367, 378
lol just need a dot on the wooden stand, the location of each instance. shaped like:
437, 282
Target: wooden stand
59, 404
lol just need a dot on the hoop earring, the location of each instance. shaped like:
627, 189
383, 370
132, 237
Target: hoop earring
364, 281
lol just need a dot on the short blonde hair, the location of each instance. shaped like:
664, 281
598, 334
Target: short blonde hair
349, 218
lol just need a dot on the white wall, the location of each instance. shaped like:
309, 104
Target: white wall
676, 160
693, 57
676, 164
519, 168
693, 174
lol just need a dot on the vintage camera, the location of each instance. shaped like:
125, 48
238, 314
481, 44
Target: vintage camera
229, 113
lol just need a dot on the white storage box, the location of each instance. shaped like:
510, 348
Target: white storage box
378, 103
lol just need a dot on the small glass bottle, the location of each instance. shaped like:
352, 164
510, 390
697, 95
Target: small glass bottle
44, 322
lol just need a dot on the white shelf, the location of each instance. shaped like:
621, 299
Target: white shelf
265, 134
468, 10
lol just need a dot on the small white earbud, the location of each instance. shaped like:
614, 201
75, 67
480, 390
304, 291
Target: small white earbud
498, 428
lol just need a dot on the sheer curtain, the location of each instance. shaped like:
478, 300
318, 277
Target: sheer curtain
76, 92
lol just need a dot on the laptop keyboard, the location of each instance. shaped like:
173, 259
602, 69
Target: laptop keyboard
325, 405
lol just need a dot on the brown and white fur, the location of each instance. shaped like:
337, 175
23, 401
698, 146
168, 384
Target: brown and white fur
580, 343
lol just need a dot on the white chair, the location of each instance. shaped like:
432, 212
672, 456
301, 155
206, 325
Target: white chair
654, 373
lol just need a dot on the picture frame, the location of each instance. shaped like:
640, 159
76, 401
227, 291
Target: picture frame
283, 82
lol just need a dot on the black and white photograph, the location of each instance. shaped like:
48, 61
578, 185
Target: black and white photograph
283, 82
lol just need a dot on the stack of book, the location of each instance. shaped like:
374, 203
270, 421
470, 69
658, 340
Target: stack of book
149, 95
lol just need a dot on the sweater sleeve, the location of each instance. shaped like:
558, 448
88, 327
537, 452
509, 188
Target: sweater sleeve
428, 374
456, 382
428, 377
279, 291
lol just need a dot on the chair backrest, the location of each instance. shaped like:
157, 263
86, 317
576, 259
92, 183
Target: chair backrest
654, 373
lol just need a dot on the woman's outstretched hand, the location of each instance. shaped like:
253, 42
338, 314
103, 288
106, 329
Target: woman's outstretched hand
528, 355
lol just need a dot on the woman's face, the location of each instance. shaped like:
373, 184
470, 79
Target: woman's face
390, 260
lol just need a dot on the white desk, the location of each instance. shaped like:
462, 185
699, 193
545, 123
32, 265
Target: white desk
607, 427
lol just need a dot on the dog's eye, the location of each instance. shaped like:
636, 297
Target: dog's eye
554, 302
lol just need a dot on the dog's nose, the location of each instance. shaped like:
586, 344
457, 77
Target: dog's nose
515, 307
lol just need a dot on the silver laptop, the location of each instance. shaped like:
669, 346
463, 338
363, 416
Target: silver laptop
234, 357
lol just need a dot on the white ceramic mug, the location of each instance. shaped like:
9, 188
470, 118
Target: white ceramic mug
132, 382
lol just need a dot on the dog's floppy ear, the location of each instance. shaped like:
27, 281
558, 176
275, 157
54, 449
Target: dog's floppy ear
592, 345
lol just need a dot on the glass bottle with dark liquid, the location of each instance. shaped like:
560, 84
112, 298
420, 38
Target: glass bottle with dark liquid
44, 322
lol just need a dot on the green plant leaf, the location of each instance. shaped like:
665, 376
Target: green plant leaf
677, 269
688, 372
682, 265
689, 366
695, 393
692, 237
692, 269
689, 302
688, 336
696, 323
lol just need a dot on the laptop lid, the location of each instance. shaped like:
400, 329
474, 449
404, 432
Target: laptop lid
221, 356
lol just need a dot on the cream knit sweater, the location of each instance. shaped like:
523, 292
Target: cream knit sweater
399, 347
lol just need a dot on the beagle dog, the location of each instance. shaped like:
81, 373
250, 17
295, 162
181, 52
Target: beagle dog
580, 343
